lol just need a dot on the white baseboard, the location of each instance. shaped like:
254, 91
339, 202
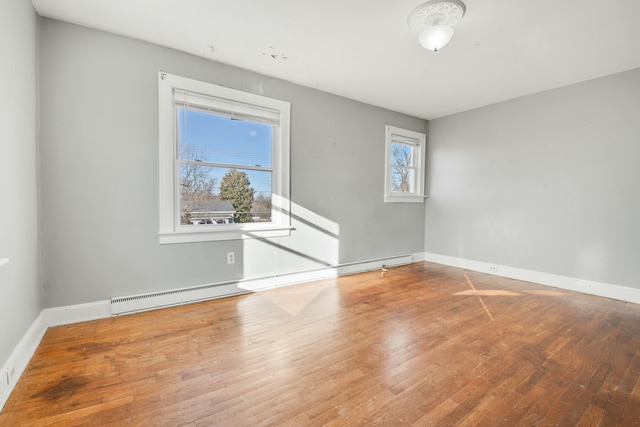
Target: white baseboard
418, 257
77, 313
346, 269
16, 364
622, 293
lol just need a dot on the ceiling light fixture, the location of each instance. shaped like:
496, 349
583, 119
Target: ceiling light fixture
434, 19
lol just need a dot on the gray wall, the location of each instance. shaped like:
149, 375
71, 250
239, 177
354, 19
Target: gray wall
99, 150
548, 182
20, 290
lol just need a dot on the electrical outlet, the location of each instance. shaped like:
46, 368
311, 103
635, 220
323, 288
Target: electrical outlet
493, 269
231, 257
10, 375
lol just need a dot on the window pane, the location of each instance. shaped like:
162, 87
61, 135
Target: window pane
402, 180
215, 195
216, 139
402, 155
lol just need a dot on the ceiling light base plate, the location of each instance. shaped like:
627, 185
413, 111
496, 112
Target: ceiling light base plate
436, 12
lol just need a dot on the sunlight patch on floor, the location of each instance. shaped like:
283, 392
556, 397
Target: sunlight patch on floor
295, 299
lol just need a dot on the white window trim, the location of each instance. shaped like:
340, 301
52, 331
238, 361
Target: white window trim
171, 231
420, 138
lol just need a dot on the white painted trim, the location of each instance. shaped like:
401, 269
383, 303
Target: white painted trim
77, 313
417, 257
622, 293
207, 233
19, 359
403, 199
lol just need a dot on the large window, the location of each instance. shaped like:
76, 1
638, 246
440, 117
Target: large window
404, 169
224, 163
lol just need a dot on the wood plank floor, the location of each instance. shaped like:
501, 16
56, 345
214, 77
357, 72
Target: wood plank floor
420, 345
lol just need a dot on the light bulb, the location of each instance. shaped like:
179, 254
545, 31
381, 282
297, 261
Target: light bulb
435, 37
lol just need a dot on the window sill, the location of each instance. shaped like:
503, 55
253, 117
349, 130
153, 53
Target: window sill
404, 199
224, 232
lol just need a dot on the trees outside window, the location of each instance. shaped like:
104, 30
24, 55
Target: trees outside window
261, 207
236, 188
401, 172
196, 185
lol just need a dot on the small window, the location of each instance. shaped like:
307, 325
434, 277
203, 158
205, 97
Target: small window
224, 163
404, 169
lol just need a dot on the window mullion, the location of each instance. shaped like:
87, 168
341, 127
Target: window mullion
225, 165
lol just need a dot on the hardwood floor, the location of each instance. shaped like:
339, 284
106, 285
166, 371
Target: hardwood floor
420, 345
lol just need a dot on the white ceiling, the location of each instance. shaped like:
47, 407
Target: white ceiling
364, 50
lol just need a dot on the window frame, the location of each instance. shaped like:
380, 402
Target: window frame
418, 141
170, 229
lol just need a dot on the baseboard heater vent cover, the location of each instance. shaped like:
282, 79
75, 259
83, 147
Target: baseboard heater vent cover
397, 261
162, 299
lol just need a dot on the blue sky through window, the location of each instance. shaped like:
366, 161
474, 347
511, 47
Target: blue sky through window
216, 139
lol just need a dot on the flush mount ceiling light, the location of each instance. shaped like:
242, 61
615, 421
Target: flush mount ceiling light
434, 19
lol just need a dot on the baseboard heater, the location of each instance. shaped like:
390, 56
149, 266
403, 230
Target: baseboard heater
162, 299
155, 300
376, 264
